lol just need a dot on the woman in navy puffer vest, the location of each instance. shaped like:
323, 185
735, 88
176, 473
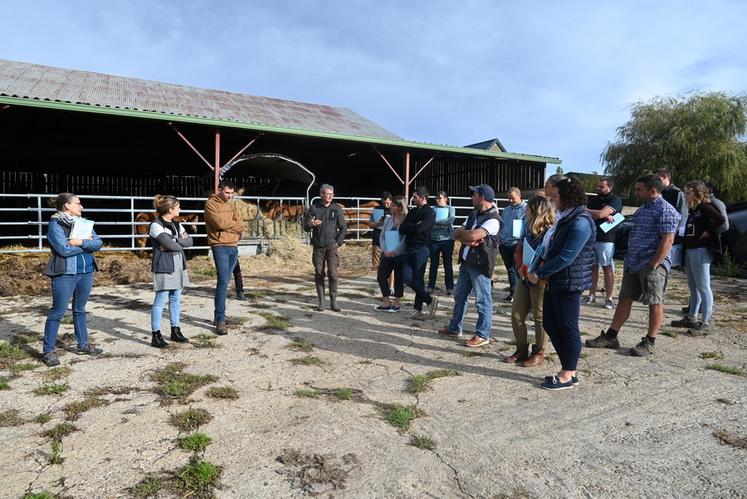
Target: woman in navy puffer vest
566, 268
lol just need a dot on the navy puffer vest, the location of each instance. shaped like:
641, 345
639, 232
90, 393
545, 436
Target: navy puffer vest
576, 277
482, 257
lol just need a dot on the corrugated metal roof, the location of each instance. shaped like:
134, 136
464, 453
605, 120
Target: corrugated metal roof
71, 90
33, 81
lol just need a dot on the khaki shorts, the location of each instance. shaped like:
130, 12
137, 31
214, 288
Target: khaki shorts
646, 285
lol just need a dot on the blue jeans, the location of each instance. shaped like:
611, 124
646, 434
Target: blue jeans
445, 250
64, 287
698, 270
507, 254
414, 274
173, 295
468, 280
225, 258
560, 319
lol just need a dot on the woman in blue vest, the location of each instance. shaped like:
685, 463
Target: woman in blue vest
168, 240
71, 267
392, 259
566, 271
442, 244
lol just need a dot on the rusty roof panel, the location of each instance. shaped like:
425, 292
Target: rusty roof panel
33, 81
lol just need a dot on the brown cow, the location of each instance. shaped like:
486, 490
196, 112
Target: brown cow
273, 210
189, 221
359, 218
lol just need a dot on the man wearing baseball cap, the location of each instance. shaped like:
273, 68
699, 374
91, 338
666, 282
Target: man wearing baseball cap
479, 238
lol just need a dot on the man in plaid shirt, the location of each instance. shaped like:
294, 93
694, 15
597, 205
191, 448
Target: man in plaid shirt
646, 266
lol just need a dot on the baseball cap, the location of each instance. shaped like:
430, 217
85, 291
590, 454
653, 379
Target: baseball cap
483, 190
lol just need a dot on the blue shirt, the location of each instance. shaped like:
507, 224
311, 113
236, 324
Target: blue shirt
508, 215
653, 220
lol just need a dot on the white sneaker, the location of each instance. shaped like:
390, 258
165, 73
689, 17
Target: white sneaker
609, 304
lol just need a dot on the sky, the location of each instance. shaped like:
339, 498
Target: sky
553, 78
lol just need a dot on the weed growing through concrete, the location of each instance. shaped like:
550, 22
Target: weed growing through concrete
51, 389
147, 487
204, 341
175, 384
191, 419
9, 354
309, 360
670, 333
68, 319
10, 418
397, 415
17, 369
73, 410
344, 393
59, 431
57, 373
39, 495
223, 392
421, 382
56, 456
306, 393
471, 353
274, 321
711, 355
301, 345
42, 418
197, 478
4, 383
725, 369
422, 442
196, 442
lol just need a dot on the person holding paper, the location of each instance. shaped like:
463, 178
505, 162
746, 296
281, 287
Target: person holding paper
646, 266
701, 242
378, 215
393, 247
540, 216
479, 238
566, 271
442, 243
71, 266
168, 239
511, 233
602, 208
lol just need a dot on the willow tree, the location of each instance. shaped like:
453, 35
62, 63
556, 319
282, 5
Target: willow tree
697, 137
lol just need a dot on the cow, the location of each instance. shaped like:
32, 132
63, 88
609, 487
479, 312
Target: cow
274, 210
144, 219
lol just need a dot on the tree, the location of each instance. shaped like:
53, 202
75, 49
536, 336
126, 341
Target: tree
697, 137
559, 170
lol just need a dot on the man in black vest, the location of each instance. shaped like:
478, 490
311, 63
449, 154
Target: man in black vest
416, 228
479, 238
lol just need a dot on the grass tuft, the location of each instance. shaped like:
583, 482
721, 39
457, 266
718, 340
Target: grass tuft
73, 410
17, 369
56, 456
711, 355
301, 345
309, 360
725, 369
197, 478
306, 393
4, 383
59, 431
274, 321
196, 442
204, 341
422, 442
51, 389
421, 382
397, 415
9, 354
223, 392
191, 419
344, 393
147, 487
39, 495
57, 373
10, 418
175, 384
42, 418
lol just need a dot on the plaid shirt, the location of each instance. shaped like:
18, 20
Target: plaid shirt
652, 220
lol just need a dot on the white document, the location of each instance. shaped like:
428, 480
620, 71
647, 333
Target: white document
527, 253
391, 240
82, 228
378, 214
616, 219
517, 229
675, 255
442, 213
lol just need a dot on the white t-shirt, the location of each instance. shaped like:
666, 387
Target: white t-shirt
491, 226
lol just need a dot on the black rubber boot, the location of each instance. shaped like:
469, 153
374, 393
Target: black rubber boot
333, 296
320, 296
157, 340
176, 335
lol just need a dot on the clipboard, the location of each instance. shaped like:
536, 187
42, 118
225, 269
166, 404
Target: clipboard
377, 214
527, 253
536, 259
608, 226
442, 213
517, 228
82, 228
392, 239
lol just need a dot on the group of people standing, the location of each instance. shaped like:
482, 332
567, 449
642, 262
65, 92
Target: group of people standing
569, 236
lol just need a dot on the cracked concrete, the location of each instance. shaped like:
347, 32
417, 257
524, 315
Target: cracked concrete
497, 433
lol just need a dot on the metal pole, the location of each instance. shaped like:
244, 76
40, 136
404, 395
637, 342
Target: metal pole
407, 177
39, 218
358, 217
132, 219
217, 158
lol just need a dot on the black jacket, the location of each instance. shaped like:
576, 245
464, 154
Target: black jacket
332, 230
417, 226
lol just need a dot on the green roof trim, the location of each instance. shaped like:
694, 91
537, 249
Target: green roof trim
198, 120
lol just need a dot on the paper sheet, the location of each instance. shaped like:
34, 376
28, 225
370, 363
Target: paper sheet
518, 228
82, 228
377, 214
527, 253
442, 213
675, 255
391, 240
536, 259
616, 219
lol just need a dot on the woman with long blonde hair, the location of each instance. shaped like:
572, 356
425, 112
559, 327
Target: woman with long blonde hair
392, 257
539, 217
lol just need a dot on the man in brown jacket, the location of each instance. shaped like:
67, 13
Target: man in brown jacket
224, 226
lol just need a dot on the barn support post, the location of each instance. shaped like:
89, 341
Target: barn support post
180, 134
407, 175
132, 220
216, 169
421, 169
389, 165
